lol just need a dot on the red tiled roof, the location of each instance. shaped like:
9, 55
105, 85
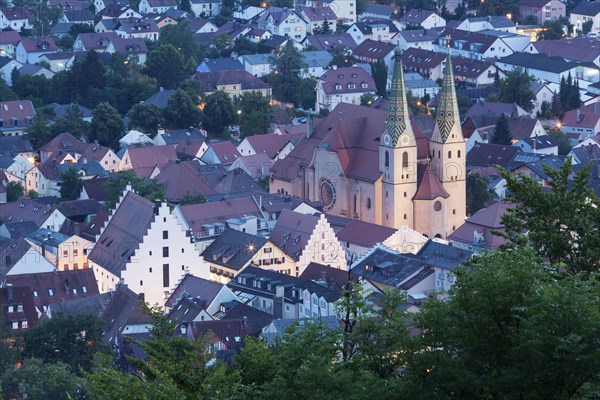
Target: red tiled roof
10, 37
271, 144
15, 13
18, 295
588, 116
39, 45
373, 50
226, 152
27, 210
319, 13
521, 127
145, 158
487, 155
292, 231
347, 80
364, 233
97, 41
430, 187
483, 222
21, 110
181, 178
194, 287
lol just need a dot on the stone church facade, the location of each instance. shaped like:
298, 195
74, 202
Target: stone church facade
376, 166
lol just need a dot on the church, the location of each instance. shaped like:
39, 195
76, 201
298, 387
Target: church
379, 167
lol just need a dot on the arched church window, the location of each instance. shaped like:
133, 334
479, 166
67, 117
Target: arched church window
439, 154
368, 203
458, 155
449, 154
405, 160
387, 159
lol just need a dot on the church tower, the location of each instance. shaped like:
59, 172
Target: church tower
398, 156
448, 152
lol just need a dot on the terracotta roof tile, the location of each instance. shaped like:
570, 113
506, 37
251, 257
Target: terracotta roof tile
430, 187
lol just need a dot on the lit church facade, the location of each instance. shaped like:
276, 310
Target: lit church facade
378, 167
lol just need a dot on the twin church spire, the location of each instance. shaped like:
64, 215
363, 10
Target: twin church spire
447, 115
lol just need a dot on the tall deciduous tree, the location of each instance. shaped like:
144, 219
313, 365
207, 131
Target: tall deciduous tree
342, 56
107, 126
478, 194
145, 117
514, 88
148, 188
39, 131
218, 112
380, 74
182, 110
70, 185
285, 78
14, 190
255, 113
166, 64
502, 133
560, 224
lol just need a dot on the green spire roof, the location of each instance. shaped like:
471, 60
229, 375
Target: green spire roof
397, 122
447, 112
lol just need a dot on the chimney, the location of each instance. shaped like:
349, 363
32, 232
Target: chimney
324, 276
245, 321
578, 115
309, 127
534, 141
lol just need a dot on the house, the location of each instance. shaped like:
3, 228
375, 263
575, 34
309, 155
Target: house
42, 211
35, 70
63, 251
582, 123
274, 146
19, 168
46, 178
345, 10
160, 99
428, 64
30, 50
477, 24
284, 296
18, 309
62, 111
536, 169
284, 22
474, 45
230, 183
257, 35
488, 155
359, 237
223, 153
118, 11
319, 17
50, 288
199, 25
551, 69
60, 61
142, 28
97, 41
208, 220
7, 65
16, 116
77, 16
257, 165
235, 83
257, 64
15, 18
343, 85
143, 246
8, 43
584, 154
219, 64
206, 8
308, 238
542, 93
329, 42
170, 17
79, 151
417, 38
584, 50
133, 49
370, 51
421, 18
472, 72
156, 6
379, 30
485, 114
537, 145
317, 62
208, 294
146, 160
278, 327
542, 10
233, 250
379, 11
134, 138
19, 257
586, 11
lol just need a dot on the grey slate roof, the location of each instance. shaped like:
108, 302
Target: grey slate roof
161, 98
540, 62
590, 8
233, 249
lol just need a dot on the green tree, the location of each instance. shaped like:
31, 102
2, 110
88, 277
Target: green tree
65, 42
242, 46
146, 118
554, 30
361, 6
14, 190
222, 41
72, 123
478, 194
342, 56
515, 89
181, 37
65, 338
193, 198
218, 112
107, 126
586, 27
165, 64
185, 5
380, 74
255, 113
39, 131
182, 111
502, 133
308, 95
224, 16
70, 185
561, 224
367, 100
564, 145
78, 28
324, 29
6, 93
568, 97
34, 88
32, 194
46, 17
36, 380
148, 188
285, 78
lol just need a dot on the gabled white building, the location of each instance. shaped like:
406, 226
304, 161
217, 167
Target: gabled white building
156, 6
143, 246
283, 22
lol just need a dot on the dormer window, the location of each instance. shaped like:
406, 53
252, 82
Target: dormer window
351, 86
338, 87
364, 85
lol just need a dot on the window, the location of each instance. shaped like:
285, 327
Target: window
437, 206
65, 253
24, 324
368, 203
15, 325
75, 252
351, 86
387, 159
74, 291
50, 292
150, 269
449, 154
75, 266
150, 253
141, 283
405, 160
35, 293
165, 275
11, 309
165, 234
166, 251
84, 289
458, 154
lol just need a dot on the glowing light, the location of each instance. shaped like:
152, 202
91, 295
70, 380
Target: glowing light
509, 16
251, 247
558, 125
239, 112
